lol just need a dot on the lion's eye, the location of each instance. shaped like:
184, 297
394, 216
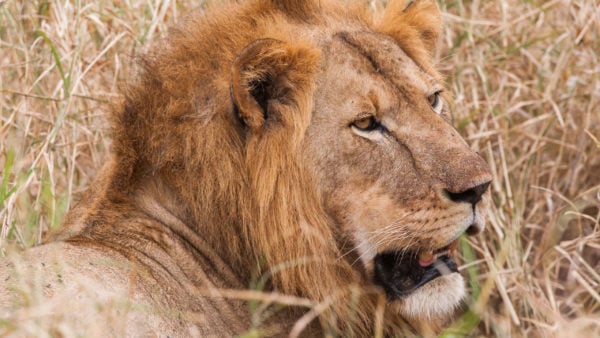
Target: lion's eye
367, 123
436, 102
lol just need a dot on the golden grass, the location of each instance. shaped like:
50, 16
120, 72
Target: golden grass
526, 77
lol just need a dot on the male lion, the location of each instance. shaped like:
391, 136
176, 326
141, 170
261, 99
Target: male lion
300, 148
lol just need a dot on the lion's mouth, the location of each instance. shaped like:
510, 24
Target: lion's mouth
401, 273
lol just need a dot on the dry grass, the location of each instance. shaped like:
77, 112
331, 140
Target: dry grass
526, 76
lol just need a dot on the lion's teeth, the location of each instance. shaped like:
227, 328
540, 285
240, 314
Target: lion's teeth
426, 258
453, 246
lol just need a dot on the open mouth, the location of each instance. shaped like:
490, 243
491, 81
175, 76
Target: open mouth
401, 273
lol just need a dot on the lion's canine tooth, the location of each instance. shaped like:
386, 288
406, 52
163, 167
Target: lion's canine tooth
426, 258
453, 246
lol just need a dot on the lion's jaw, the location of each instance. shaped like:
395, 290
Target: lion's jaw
405, 185
393, 251
448, 292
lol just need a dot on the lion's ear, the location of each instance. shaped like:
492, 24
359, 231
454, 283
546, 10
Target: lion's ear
413, 23
269, 75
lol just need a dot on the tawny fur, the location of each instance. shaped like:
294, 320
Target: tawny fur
197, 174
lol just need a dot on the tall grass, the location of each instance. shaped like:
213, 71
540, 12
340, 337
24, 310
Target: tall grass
526, 78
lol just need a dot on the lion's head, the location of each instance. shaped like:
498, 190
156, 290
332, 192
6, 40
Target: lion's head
312, 141
396, 177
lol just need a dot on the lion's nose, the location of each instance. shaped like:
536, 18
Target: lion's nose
471, 195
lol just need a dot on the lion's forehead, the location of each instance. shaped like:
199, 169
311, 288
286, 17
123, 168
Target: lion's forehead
383, 57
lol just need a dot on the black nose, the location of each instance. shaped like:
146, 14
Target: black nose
471, 195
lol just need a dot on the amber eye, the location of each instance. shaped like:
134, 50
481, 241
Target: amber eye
436, 102
367, 123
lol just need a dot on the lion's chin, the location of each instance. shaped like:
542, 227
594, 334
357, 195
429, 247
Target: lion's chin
436, 301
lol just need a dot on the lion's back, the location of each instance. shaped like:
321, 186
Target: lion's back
74, 291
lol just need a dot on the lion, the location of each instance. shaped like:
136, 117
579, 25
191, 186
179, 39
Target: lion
277, 167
